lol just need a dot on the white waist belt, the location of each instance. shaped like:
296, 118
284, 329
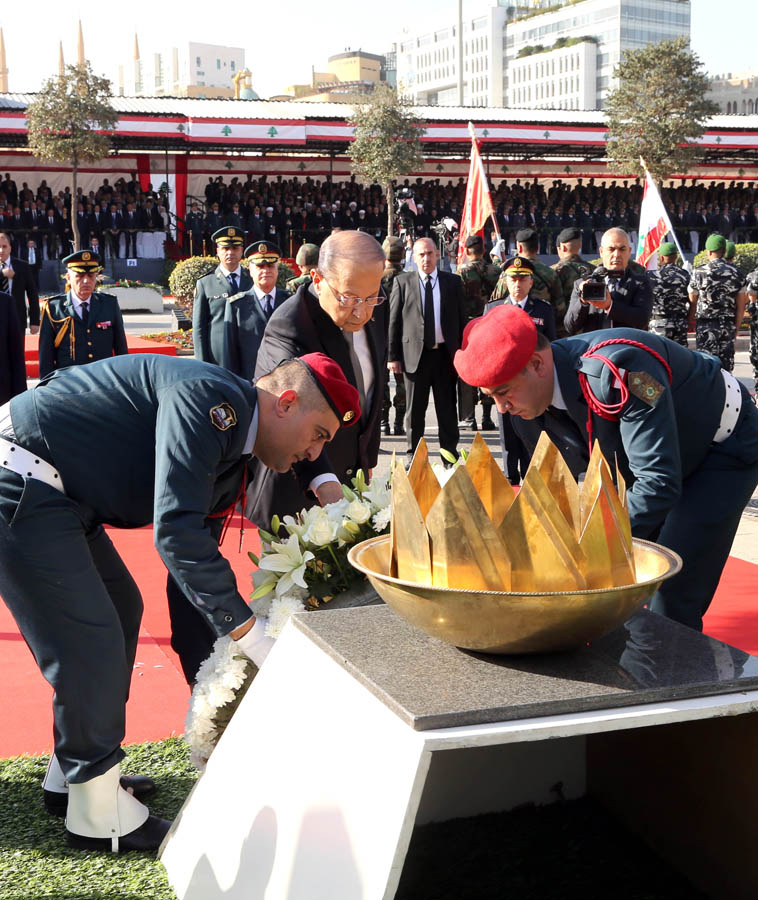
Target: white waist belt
22, 462
731, 410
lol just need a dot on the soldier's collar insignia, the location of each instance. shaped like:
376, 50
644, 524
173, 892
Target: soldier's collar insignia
223, 417
645, 387
349, 416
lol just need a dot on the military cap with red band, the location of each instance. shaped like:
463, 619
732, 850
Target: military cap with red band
496, 347
341, 396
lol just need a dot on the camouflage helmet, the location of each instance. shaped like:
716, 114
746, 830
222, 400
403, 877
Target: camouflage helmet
393, 248
307, 256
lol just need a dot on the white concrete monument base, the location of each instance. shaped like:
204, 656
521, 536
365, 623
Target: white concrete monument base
314, 789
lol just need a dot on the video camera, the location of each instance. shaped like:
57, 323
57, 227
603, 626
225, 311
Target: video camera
593, 287
405, 208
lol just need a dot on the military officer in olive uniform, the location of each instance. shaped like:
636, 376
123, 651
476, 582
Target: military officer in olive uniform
214, 324
546, 286
752, 311
480, 278
718, 287
683, 430
82, 325
569, 268
129, 442
307, 259
671, 302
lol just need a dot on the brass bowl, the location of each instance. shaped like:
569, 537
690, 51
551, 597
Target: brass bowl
506, 622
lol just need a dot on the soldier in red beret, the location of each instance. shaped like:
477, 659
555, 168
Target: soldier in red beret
684, 431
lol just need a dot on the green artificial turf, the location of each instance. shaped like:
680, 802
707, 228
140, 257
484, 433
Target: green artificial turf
37, 864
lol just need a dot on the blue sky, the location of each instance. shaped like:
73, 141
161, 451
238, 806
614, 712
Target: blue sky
283, 40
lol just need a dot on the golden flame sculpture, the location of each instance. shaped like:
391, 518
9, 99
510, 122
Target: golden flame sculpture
476, 533
481, 566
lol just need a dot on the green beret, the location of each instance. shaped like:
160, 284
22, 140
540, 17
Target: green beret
731, 250
716, 242
667, 249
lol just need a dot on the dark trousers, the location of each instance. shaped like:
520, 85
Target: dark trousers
192, 637
79, 611
435, 371
130, 240
516, 456
701, 529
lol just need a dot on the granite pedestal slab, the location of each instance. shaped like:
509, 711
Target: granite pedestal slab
359, 726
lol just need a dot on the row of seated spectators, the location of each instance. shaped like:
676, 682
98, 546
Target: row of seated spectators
117, 220
122, 220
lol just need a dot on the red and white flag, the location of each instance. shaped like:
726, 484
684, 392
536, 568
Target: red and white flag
654, 225
477, 207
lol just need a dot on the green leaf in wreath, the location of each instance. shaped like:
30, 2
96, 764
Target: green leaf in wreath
253, 558
263, 589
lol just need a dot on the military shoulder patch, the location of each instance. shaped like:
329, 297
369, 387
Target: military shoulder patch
223, 416
645, 387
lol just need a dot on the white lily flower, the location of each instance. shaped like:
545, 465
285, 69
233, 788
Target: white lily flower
379, 494
322, 530
289, 560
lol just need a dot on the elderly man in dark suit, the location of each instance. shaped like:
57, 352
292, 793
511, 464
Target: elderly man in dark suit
427, 317
13, 367
19, 282
341, 313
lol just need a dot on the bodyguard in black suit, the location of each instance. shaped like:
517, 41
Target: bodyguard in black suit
16, 278
341, 313
12, 365
427, 317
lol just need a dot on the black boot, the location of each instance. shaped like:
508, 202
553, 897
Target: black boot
487, 423
399, 427
140, 786
386, 427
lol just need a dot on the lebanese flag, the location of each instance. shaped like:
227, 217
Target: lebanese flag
477, 207
654, 225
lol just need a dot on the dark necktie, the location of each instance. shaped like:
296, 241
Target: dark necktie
233, 282
3, 283
84, 311
268, 306
429, 329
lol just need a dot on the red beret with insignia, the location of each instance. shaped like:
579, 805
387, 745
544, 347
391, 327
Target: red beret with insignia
496, 347
339, 393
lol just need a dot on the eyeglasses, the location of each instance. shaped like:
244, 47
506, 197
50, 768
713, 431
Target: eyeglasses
351, 302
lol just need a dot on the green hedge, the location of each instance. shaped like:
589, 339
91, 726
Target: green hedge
746, 259
186, 273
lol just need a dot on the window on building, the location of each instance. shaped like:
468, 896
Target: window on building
218, 63
198, 63
233, 65
750, 107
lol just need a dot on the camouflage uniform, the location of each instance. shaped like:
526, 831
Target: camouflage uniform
547, 286
294, 283
671, 303
717, 284
569, 270
479, 280
391, 269
752, 310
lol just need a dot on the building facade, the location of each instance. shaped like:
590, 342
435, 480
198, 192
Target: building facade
537, 53
192, 70
736, 95
427, 63
579, 44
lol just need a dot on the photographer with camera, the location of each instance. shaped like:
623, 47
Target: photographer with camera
614, 295
406, 211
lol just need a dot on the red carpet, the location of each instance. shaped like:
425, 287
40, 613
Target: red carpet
135, 344
159, 696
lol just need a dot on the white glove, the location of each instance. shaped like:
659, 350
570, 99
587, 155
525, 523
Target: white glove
254, 644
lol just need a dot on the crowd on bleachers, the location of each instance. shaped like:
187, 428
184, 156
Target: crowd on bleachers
122, 220
117, 219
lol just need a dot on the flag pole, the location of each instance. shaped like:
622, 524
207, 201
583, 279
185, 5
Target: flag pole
668, 221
